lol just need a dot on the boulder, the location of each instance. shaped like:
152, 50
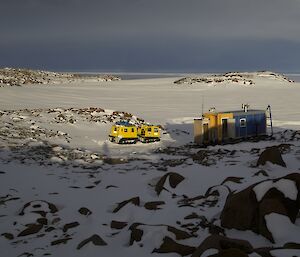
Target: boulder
70, 225
225, 246
39, 206
31, 229
271, 154
237, 180
136, 233
170, 246
154, 205
118, 224
246, 210
134, 201
174, 180
84, 211
61, 241
94, 239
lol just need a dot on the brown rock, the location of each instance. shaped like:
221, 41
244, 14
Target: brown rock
232, 252
31, 229
70, 225
94, 239
118, 224
8, 236
223, 244
153, 205
233, 179
291, 245
61, 241
179, 234
271, 154
174, 180
134, 200
261, 172
51, 206
42, 221
170, 246
242, 210
192, 216
84, 211
136, 234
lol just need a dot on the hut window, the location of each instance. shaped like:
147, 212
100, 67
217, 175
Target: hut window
243, 123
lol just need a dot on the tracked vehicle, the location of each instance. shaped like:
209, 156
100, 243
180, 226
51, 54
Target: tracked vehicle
123, 133
148, 133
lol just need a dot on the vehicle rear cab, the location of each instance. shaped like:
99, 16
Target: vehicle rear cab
123, 133
149, 133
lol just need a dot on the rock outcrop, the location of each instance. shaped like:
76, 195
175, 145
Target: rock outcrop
19, 77
271, 154
246, 210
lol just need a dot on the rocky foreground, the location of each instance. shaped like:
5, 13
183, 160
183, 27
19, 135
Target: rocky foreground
19, 77
238, 78
233, 200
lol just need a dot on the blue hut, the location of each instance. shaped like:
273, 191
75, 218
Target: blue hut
217, 127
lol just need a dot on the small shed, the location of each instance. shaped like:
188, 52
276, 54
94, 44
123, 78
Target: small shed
217, 127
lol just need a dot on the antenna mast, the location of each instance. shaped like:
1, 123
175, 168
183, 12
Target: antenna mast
202, 105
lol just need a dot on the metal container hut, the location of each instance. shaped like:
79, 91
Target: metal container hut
218, 127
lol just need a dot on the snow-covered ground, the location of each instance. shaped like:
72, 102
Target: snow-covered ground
62, 181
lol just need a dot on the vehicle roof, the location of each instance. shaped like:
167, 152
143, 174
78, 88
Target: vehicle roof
149, 125
124, 123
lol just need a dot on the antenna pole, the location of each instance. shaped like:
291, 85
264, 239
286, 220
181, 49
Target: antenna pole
270, 118
202, 105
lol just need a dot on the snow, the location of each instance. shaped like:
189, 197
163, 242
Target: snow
73, 165
282, 229
287, 187
285, 252
209, 252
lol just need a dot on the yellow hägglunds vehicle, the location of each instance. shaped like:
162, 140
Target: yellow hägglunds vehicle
148, 133
123, 133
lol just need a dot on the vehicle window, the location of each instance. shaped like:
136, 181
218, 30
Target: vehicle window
115, 129
155, 129
132, 129
149, 129
243, 123
125, 130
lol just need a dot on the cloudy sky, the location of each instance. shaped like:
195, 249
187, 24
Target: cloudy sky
151, 35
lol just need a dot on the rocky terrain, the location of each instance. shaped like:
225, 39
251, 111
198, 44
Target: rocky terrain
239, 78
19, 77
97, 203
65, 190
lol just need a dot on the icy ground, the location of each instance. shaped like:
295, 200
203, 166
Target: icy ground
66, 191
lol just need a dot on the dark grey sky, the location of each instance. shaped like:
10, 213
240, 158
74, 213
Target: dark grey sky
151, 35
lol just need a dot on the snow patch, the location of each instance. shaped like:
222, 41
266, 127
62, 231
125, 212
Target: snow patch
209, 252
285, 252
282, 229
286, 186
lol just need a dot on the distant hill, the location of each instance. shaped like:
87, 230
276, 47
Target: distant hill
242, 78
19, 77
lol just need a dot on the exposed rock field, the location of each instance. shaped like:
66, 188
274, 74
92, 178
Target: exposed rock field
241, 78
19, 77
